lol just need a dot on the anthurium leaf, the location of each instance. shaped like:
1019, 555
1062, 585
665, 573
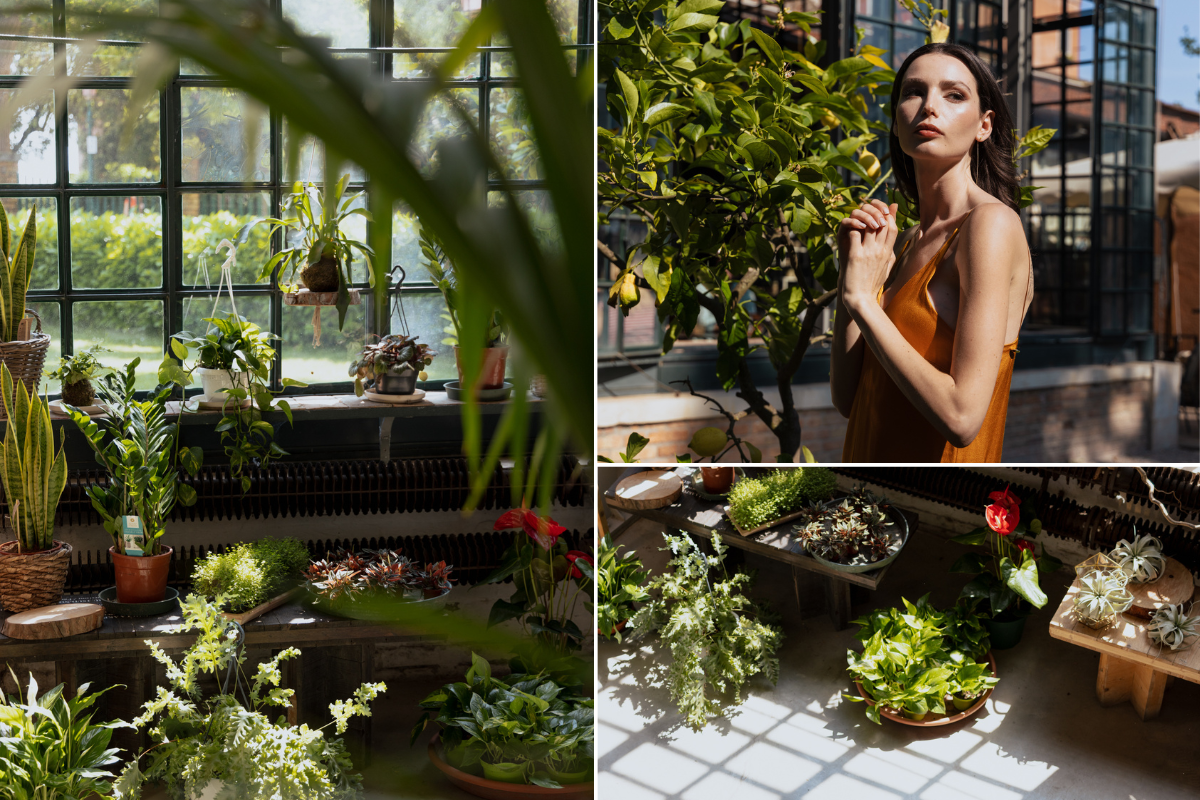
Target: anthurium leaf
977, 536
1023, 580
971, 563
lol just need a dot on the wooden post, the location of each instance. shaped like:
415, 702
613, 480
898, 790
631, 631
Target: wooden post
1119, 680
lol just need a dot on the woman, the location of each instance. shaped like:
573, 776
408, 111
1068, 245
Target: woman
927, 323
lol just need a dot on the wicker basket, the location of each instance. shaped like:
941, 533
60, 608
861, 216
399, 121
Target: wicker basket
32, 580
25, 359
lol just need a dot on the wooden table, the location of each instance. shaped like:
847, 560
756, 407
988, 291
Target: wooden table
1131, 667
702, 517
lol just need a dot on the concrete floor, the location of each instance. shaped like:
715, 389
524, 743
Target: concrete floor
1041, 735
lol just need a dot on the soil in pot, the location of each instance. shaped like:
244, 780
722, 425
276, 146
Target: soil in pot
321, 276
717, 480
1005, 632
141, 579
79, 393
495, 359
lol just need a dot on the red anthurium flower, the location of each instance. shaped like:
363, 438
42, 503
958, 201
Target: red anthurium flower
574, 554
542, 530
1026, 546
1004, 513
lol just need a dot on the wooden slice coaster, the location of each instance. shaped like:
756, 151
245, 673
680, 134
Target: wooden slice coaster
1174, 586
54, 622
654, 488
394, 399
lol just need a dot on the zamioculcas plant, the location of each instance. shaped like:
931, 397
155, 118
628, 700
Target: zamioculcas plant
34, 475
1102, 595
1172, 628
1142, 559
15, 268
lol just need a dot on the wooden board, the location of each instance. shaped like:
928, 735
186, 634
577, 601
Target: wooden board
1173, 587
1125, 639
645, 490
55, 622
263, 608
306, 298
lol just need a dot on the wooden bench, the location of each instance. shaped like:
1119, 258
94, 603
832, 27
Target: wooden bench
701, 517
1132, 668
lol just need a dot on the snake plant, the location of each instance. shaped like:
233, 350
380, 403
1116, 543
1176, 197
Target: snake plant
1172, 628
15, 268
34, 476
1142, 559
1102, 595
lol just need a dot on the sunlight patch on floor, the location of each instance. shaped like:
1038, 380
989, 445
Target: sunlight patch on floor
894, 769
708, 745
955, 785
990, 762
772, 766
609, 785
809, 744
660, 768
843, 787
608, 738
723, 786
948, 749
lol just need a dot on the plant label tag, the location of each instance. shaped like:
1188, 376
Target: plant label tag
133, 537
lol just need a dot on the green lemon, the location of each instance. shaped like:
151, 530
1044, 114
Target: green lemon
708, 441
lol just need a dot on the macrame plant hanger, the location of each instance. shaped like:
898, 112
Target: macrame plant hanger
226, 279
397, 301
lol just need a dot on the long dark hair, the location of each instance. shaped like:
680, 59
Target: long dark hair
991, 160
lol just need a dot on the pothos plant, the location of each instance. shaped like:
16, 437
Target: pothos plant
201, 739
741, 158
716, 635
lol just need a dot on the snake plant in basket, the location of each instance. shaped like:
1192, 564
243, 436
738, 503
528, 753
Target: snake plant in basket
1142, 559
1102, 595
1172, 628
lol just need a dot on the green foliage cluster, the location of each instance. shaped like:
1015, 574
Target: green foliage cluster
16, 260
34, 476
716, 634
522, 728
198, 739
250, 574
80, 367
754, 501
620, 583
50, 749
917, 659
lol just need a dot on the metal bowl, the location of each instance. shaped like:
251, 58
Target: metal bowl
396, 384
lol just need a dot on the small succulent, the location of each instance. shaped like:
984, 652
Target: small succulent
1142, 559
855, 531
348, 575
1102, 595
1172, 628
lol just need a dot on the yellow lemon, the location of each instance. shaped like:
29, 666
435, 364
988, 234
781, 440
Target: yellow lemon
708, 441
869, 162
830, 119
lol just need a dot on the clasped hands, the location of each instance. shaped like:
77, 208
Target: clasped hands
866, 239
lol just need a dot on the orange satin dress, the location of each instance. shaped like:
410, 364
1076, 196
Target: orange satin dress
884, 426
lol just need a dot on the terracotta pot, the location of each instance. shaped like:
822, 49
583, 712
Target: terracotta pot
32, 579
141, 579
717, 480
931, 719
498, 790
620, 626
492, 374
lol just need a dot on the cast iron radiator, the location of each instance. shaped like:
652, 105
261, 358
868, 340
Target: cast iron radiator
1061, 516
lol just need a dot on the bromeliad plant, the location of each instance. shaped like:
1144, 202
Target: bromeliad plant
523, 728
247, 575
50, 749
142, 453
1142, 559
200, 739
717, 636
1007, 578
620, 583
34, 476
76, 373
756, 501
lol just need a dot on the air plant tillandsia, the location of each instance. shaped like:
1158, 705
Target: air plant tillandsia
1142, 559
394, 354
855, 531
1102, 595
1172, 628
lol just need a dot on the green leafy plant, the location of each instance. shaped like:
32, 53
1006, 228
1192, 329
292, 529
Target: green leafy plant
50, 749
142, 453
394, 354
34, 476
523, 728
858, 530
441, 271
1171, 627
16, 267
247, 575
1102, 595
1142, 559
755, 501
620, 583
717, 636
913, 659
76, 372
199, 739
233, 343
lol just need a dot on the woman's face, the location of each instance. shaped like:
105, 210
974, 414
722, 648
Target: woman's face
938, 116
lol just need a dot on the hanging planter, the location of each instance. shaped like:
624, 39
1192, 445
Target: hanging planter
318, 300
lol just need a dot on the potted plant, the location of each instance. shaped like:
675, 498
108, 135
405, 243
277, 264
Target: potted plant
717, 480
49, 748
760, 502
521, 729
200, 742
248, 575
1007, 579
76, 373
619, 584
22, 349
357, 585
1102, 595
142, 453
494, 332
33, 568
716, 635
394, 363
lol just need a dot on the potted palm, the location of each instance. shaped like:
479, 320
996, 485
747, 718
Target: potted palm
33, 568
141, 451
76, 372
394, 364
22, 349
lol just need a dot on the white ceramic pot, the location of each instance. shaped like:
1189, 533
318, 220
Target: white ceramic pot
214, 381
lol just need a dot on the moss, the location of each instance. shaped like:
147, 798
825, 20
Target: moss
251, 574
755, 501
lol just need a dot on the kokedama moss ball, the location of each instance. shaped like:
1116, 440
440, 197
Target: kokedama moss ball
79, 393
321, 276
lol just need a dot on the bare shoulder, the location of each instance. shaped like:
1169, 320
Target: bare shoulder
992, 235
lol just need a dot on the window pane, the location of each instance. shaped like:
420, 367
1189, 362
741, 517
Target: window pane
26, 58
512, 135
430, 23
197, 309
425, 313
310, 160
566, 22
1113, 146
45, 252
880, 9
214, 124
51, 313
345, 22
129, 328
876, 35
330, 362
1047, 49
1142, 23
95, 120
1047, 9
208, 218
116, 243
1143, 189
906, 42
1112, 313
439, 121
107, 60
1116, 104
539, 212
1139, 312
27, 152
1080, 42
406, 246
